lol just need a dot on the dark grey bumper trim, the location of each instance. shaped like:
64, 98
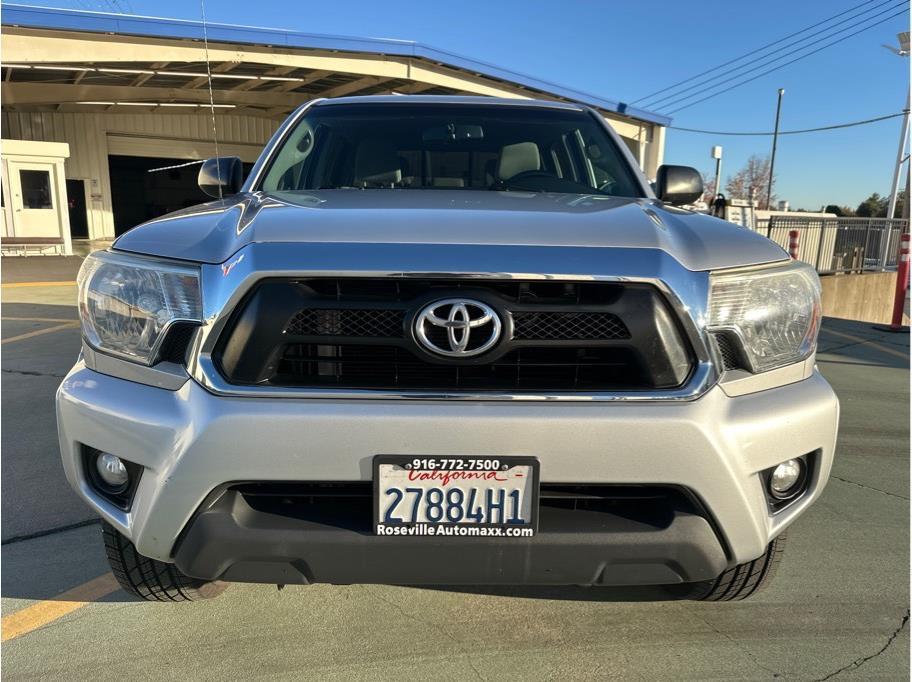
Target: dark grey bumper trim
230, 540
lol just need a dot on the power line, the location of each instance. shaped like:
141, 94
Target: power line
714, 82
781, 66
752, 52
791, 132
776, 54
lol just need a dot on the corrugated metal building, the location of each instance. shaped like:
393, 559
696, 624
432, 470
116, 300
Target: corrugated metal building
129, 97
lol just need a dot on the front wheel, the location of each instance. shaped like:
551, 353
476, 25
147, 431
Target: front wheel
744, 580
151, 579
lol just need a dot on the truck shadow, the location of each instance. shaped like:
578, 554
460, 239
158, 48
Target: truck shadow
639, 593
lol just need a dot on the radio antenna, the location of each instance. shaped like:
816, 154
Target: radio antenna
218, 164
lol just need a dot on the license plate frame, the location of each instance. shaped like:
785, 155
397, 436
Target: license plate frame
511, 461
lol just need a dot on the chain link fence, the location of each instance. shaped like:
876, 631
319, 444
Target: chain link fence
841, 244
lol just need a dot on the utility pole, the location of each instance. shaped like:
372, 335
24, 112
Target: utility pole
769, 187
901, 157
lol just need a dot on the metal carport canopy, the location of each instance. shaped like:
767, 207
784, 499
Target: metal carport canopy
428, 68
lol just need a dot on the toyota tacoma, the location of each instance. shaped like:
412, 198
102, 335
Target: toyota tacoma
446, 340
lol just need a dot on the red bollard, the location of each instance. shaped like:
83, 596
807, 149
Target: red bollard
793, 244
902, 285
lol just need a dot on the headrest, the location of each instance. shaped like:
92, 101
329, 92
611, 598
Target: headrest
518, 158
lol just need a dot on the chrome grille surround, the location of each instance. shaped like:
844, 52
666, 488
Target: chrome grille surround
686, 291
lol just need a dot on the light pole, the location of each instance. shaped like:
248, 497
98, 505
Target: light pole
769, 187
716, 153
903, 51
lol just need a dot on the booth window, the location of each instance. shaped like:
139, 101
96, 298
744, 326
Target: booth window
36, 189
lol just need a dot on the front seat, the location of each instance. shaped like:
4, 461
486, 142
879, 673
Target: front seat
377, 164
518, 158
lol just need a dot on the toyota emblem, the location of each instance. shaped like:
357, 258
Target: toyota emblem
457, 327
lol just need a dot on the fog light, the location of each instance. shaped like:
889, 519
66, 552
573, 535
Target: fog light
112, 472
786, 478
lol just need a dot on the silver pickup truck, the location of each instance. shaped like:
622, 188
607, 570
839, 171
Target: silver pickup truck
446, 341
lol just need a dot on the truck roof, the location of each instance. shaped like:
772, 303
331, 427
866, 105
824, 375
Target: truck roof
452, 99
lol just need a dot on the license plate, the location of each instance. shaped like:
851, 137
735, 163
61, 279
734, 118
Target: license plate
455, 496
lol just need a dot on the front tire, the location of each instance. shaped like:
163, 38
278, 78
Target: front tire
744, 580
150, 579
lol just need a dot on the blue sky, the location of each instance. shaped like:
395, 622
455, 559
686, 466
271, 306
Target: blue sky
624, 50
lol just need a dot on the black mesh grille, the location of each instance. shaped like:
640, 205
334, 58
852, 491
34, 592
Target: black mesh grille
394, 367
174, 347
568, 326
354, 333
728, 351
374, 323
347, 322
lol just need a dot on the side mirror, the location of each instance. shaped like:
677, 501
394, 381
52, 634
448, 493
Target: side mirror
223, 172
678, 185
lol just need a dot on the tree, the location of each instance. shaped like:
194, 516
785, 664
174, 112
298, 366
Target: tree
901, 205
709, 187
752, 180
875, 206
841, 211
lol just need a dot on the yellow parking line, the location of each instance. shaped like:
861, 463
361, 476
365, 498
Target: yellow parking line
39, 332
44, 612
873, 344
20, 285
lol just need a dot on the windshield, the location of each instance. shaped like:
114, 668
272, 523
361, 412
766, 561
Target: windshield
452, 147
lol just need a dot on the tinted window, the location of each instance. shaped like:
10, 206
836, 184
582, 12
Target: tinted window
36, 189
451, 147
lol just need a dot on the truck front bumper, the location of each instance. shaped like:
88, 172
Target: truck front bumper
195, 446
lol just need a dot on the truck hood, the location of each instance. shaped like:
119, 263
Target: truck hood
213, 232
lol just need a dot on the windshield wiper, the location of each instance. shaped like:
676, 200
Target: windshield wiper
510, 186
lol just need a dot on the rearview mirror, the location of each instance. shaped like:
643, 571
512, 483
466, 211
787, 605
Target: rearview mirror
678, 185
452, 132
221, 176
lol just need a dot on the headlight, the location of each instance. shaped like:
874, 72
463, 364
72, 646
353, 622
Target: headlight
775, 312
127, 303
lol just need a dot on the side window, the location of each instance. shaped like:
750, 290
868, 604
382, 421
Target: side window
36, 189
563, 165
290, 166
607, 173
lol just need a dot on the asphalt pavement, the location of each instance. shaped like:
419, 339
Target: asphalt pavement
838, 608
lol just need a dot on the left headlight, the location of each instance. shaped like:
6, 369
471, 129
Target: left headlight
127, 303
774, 312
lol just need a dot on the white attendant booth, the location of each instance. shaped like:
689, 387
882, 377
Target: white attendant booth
35, 212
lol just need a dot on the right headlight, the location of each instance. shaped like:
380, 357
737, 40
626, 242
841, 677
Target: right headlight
128, 303
774, 311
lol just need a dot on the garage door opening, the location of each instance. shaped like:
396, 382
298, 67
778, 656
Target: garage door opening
143, 188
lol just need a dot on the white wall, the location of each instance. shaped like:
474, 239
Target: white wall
87, 135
